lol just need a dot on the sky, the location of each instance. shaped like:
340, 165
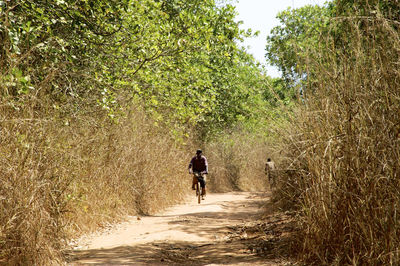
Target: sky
260, 15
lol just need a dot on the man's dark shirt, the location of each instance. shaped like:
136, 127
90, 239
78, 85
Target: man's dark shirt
199, 164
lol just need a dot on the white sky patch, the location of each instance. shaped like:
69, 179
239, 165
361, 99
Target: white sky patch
260, 15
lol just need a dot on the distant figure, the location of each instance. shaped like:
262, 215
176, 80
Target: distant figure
269, 167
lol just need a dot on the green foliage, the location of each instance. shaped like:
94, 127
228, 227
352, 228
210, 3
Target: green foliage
389, 9
179, 59
52, 42
290, 44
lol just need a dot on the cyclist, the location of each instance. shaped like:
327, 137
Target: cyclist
199, 164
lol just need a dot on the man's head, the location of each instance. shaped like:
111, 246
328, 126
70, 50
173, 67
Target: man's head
269, 159
198, 153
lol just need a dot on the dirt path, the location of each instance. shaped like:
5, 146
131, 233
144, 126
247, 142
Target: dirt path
225, 229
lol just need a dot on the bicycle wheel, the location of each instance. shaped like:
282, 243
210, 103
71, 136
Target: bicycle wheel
199, 192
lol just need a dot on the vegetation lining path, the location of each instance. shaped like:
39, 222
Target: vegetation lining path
225, 229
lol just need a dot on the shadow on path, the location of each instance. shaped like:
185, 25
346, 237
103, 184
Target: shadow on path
173, 253
236, 232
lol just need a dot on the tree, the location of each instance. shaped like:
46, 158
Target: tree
290, 44
178, 59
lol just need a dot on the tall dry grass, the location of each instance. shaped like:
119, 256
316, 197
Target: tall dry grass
62, 175
345, 146
237, 160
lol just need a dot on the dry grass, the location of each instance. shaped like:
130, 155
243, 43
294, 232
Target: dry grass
237, 162
345, 145
63, 177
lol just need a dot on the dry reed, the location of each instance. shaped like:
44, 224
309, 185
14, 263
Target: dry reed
237, 161
62, 175
345, 147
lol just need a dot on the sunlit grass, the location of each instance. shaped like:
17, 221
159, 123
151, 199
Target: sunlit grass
345, 147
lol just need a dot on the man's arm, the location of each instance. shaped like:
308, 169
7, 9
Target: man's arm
190, 166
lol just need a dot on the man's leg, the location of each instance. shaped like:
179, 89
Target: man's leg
203, 186
271, 179
194, 182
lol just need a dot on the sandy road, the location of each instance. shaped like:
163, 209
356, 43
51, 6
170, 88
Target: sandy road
224, 229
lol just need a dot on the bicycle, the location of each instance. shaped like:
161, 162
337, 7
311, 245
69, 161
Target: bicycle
199, 189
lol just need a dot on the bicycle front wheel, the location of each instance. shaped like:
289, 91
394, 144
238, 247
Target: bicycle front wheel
199, 191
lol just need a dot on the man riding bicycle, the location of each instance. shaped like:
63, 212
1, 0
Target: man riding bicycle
199, 164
